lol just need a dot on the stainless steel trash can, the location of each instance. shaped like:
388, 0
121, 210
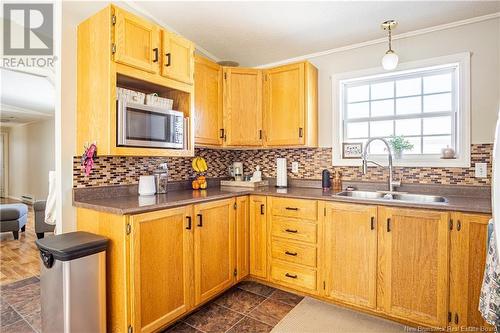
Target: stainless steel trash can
73, 282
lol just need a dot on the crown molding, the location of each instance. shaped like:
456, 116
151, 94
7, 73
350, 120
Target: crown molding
136, 7
384, 39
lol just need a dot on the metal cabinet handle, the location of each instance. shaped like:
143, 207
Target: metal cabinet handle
169, 58
188, 218
260, 134
456, 318
290, 276
291, 208
301, 132
459, 225
262, 209
451, 224
200, 220
293, 231
293, 254
221, 133
372, 223
389, 225
155, 50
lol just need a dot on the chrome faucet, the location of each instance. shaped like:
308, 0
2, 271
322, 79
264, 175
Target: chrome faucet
392, 183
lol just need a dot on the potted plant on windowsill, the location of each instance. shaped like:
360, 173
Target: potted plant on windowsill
399, 144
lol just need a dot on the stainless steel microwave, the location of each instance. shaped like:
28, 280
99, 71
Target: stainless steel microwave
142, 125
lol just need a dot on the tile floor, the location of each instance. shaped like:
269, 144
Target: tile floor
20, 306
19, 258
247, 307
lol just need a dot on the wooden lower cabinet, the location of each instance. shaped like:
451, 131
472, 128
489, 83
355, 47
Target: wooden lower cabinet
414, 265
258, 236
214, 248
468, 249
160, 267
242, 237
351, 254
413, 259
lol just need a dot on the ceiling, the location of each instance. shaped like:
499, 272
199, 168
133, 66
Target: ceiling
258, 33
25, 97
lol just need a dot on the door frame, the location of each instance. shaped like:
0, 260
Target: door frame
5, 160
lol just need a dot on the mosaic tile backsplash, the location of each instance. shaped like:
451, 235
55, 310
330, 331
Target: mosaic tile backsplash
122, 170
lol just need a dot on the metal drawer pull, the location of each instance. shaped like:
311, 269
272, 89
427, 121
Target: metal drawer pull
291, 208
155, 50
459, 225
262, 209
372, 223
456, 318
388, 225
290, 276
291, 231
169, 59
200, 223
290, 253
188, 218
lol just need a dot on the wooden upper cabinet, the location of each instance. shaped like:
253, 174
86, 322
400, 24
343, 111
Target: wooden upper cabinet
214, 248
414, 264
468, 250
161, 252
351, 253
290, 105
177, 57
137, 41
208, 102
258, 236
242, 107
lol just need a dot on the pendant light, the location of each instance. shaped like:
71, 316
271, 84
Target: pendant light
390, 59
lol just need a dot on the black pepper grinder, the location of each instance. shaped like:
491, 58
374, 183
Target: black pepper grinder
326, 183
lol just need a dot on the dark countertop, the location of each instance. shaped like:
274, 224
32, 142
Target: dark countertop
125, 203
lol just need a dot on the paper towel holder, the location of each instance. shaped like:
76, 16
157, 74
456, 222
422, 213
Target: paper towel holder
281, 173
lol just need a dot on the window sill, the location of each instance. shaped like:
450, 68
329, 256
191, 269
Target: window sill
408, 162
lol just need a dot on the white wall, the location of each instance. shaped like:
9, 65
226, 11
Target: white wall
481, 39
31, 157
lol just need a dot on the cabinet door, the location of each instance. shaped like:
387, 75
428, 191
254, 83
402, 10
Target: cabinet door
161, 251
414, 264
214, 250
284, 111
467, 262
208, 102
242, 107
137, 42
242, 237
177, 58
258, 236
351, 253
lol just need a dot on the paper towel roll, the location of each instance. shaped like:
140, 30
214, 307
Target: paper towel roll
281, 172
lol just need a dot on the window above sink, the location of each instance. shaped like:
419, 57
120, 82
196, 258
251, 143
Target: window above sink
426, 102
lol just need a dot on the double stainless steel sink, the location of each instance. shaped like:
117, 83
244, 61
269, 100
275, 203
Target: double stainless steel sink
385, 196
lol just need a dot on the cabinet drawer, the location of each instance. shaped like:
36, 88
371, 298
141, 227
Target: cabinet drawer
293, 252
291, 229
293, 276
304, 209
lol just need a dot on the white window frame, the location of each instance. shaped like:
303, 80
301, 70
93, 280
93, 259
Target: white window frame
462, 88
